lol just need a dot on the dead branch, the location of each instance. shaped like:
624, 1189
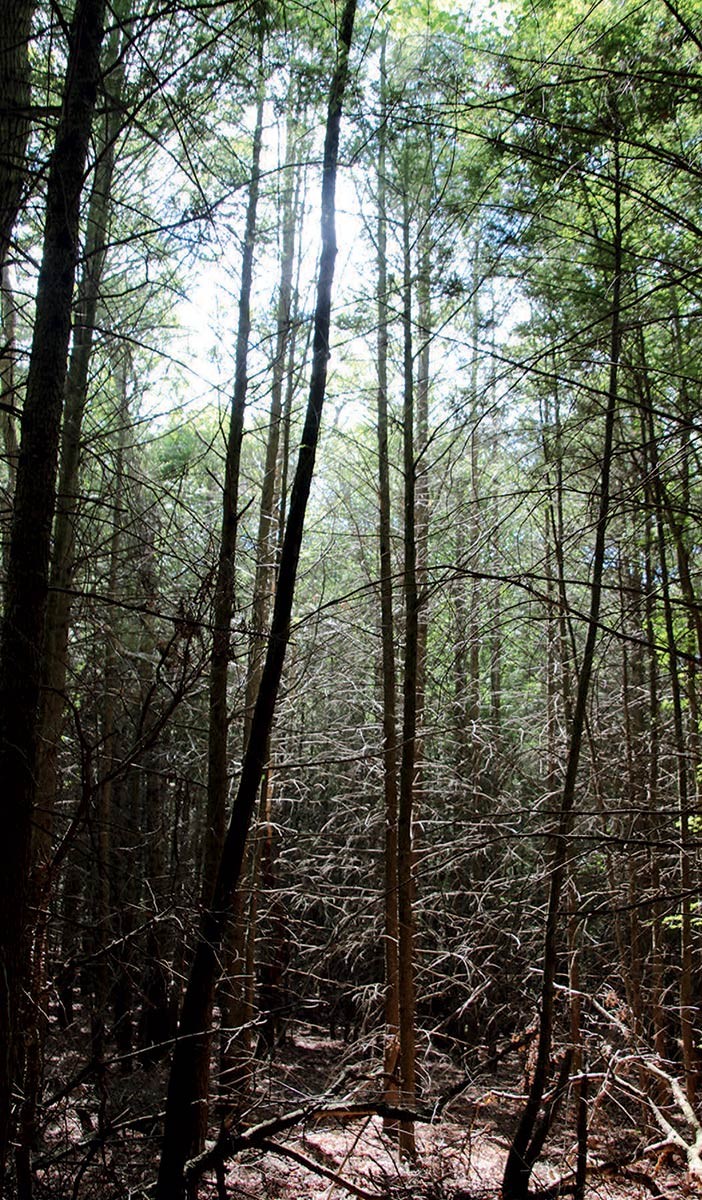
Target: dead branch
310, 1165
692, 1149
229, 1145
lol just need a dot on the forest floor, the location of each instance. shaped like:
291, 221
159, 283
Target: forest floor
103, 1138
460, 1157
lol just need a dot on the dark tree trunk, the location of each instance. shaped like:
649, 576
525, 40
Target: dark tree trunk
217, 751
58, 613
224, 587
8, 351
266, 540
28, 567
236, 999
154, 1027
192, 1043
686, 995
15, 95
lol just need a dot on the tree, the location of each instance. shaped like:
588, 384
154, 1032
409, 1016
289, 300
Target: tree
15, 24
501, 529
28, 565
192, 1040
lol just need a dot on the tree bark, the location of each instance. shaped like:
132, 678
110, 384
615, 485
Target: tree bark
8, 400
192, 1043
58, 612
15, 96
265, 544
28, 566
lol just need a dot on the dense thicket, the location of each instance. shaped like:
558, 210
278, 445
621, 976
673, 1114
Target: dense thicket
474, 812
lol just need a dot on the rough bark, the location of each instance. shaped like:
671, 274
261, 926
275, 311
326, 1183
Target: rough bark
265, 543
656, 508
15, 25
109, 790
28, 566
421, 451
58, 613
8, 397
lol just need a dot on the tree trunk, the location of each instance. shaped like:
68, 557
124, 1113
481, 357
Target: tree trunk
237, 997
223, 606
28, 567
392, 1011
15, 97
52, 699
181, 1120
8, 402
405, 864
101, 929
154, 1019
58, 612
526, 1143
686, 999
265, 545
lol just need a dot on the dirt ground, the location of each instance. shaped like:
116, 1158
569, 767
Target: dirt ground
101, 1140
459, 1157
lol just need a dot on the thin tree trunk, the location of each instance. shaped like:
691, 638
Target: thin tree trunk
576, 1037
223, 606
154, 1019
632, 713
7, 400
525, 1147
237, 997
58, 613
392, 1010
657, 507
405, 864
181, 1120
421, 451
652, 826
102, 883
35, 497
52, 699
266, 540
686, 999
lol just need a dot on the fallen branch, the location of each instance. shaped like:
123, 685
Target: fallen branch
614, 1168
310, 1165
515, 1044
691, 1149
229, 1145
